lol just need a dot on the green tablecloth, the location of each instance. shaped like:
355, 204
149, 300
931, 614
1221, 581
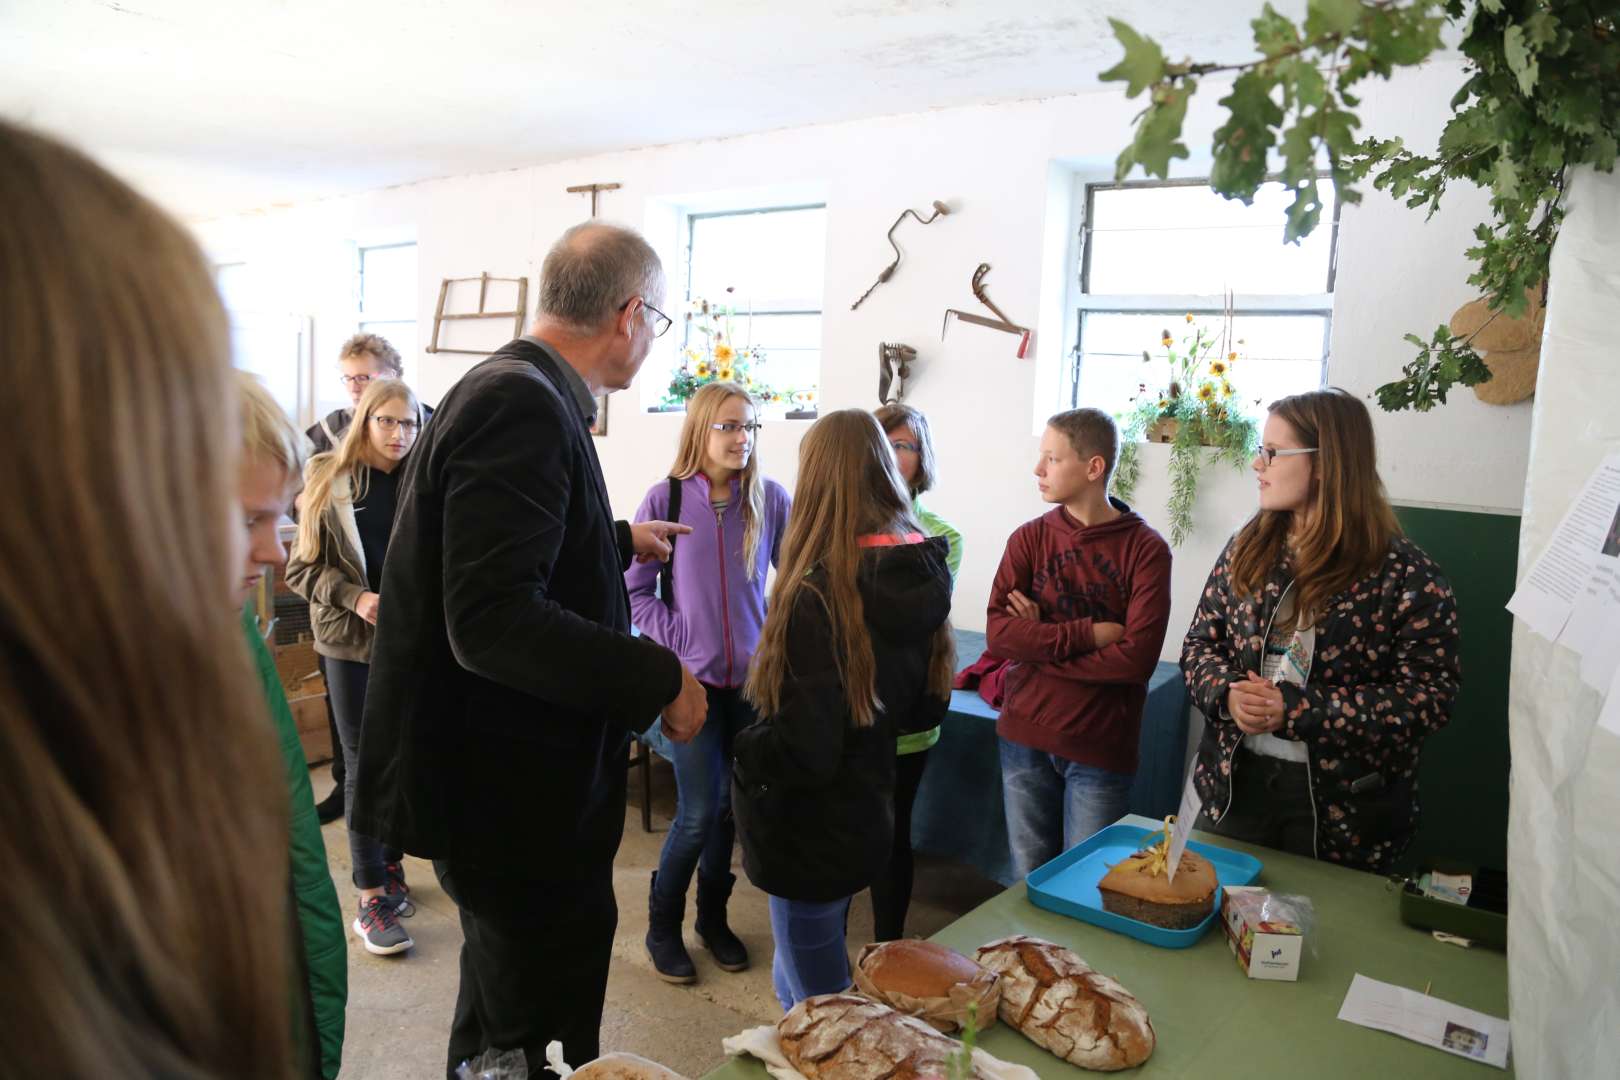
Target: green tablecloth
1214, 1023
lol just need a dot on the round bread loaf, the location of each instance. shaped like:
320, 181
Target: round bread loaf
928, 981
1055, 1000
917, 968
847, 1037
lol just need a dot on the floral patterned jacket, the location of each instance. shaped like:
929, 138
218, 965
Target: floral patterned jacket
1383, 677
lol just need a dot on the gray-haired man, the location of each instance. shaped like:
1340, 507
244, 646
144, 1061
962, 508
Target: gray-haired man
505, 683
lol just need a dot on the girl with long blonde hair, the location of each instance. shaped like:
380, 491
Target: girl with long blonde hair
1323, 651
143, 821
346, 518
856, 650
707, 604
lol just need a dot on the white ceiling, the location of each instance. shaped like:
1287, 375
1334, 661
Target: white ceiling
223, 105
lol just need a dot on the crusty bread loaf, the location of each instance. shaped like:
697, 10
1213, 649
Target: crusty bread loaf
619, 1066
928, 981
849, 1037
1138, 888
1055, 1000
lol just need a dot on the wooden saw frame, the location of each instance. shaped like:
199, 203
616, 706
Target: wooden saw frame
440, 316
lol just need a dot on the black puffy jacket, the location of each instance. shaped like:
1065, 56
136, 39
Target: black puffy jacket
814, 794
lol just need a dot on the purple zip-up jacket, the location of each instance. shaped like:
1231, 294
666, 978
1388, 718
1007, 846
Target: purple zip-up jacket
715, 624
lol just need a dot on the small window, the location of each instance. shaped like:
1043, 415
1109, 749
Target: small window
270, 344
767, 268
388, 298
1156, 253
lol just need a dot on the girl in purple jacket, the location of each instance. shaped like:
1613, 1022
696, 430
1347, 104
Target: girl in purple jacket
708, 606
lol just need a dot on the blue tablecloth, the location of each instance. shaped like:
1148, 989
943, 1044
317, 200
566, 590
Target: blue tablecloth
959, 811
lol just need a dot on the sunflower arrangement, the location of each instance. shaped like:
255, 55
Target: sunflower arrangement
1198, 407
712, 355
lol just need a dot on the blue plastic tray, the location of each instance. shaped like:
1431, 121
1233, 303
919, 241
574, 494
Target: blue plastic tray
1068, 884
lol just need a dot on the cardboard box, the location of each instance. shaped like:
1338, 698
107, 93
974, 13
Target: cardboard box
1266, 947
309, 713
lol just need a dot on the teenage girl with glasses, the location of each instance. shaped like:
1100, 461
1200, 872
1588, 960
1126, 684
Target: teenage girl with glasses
707, 604
1323, 652
337, 565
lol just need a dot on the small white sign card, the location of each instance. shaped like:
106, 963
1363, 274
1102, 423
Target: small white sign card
1414, 1015
1186, 818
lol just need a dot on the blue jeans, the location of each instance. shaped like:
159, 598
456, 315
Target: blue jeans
1053, 803
702, 834
810, 956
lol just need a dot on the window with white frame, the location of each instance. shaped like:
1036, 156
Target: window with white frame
269, 343
1154, 253
387, 294
760, 273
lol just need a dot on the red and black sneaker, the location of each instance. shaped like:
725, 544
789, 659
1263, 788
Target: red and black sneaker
397, 891
378, 927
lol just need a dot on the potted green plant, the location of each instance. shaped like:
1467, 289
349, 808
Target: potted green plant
1197, 409
713, 356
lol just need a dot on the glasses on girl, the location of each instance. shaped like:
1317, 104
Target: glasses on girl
731, 427
389, 423
1270, 454
903, 447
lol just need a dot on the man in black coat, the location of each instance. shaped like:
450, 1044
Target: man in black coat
504, 681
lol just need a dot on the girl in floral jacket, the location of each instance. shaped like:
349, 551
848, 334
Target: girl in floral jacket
1323, 652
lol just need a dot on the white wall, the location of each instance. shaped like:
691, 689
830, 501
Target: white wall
1002, 169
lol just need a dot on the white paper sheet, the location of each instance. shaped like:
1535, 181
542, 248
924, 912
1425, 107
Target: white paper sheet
1559, 576
1593, 629
1414, 1015
1609, 718
1186, 818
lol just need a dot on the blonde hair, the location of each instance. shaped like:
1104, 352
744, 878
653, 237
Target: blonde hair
848, 487
692, 454
1352, 523
350, 459
145, 844
267, 434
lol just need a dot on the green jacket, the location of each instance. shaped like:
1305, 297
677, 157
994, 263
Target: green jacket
934, 525
325, 941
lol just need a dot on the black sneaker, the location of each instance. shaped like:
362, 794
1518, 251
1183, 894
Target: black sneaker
397, 891
331, 807
378, 927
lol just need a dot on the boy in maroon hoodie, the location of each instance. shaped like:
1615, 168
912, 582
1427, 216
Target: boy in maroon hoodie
1079, 605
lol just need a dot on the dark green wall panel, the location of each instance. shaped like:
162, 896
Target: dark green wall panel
1465, 767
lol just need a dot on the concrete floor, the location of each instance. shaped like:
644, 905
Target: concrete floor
399, 1006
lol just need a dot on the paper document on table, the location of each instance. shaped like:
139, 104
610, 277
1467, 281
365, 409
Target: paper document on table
1609, 718
1593, 629
1558, 577
1186, 818
1414, 1015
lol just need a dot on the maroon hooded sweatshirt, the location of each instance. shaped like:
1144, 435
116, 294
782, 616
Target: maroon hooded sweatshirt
1064, 695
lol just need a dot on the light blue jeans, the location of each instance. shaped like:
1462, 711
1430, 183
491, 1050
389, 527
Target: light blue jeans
810, 956
1053, 803
702, 834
